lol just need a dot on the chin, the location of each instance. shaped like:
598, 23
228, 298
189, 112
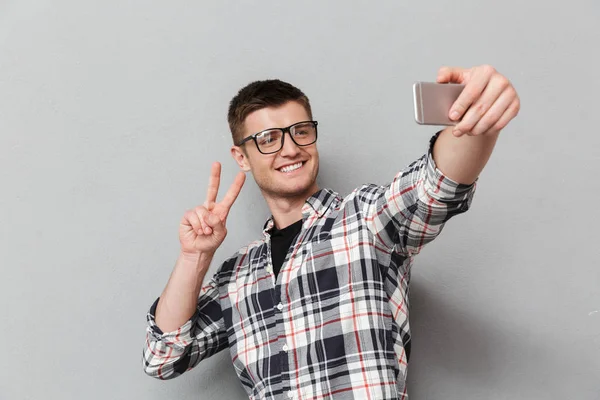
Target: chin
293, 191
287, 189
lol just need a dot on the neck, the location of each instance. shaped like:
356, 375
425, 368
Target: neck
287, 210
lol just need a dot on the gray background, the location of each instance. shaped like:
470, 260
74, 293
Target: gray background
112, 112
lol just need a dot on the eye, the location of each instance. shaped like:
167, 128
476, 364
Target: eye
265, 139
268, 138
303, 130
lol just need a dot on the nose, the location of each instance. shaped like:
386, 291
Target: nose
289, 149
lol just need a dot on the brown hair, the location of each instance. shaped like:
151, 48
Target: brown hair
258, 95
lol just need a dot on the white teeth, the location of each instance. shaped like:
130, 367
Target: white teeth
291, 168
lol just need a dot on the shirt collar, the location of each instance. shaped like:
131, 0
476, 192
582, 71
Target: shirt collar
317, 204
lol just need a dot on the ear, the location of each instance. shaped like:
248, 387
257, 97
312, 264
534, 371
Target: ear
240, 157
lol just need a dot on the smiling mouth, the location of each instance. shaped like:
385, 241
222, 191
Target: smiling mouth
291, 168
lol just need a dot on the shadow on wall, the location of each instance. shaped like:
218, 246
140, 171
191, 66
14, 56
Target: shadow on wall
218, 379
446, 341
457, 354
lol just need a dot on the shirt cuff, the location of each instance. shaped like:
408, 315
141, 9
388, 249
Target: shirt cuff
179, 338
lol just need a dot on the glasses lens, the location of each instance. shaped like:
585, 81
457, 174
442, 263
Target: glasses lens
304, 133
269, 141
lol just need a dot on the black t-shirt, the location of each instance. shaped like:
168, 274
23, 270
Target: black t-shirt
281, 240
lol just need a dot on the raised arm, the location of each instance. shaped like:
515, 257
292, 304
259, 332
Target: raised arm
201, 232
412, 210
185, 324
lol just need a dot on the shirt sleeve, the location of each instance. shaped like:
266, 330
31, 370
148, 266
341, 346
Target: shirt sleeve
167, 355
412, 210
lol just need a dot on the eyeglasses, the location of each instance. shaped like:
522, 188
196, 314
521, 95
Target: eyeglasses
271, 140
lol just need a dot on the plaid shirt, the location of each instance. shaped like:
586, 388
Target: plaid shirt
334, 323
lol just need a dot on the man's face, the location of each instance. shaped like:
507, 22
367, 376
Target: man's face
267, 168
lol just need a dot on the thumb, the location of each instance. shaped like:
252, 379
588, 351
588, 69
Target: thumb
211, 219
214, 222
451, 75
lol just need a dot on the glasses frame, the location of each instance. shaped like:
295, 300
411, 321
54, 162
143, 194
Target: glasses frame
284, 130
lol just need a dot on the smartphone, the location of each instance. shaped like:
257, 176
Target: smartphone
433, 101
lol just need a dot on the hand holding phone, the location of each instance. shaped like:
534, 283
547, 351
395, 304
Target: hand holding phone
433, 101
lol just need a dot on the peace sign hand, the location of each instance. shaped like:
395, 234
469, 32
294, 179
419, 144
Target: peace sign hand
202, 229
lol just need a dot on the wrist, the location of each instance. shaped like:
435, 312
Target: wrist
196, 258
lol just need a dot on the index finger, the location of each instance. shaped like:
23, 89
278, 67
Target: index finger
213, 185
469, 94
234, 190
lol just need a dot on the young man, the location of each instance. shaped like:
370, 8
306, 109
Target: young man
317, 308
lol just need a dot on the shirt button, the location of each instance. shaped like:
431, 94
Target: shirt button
285, 348
290, 394
280, 306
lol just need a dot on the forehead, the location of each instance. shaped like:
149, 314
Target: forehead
274, 117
